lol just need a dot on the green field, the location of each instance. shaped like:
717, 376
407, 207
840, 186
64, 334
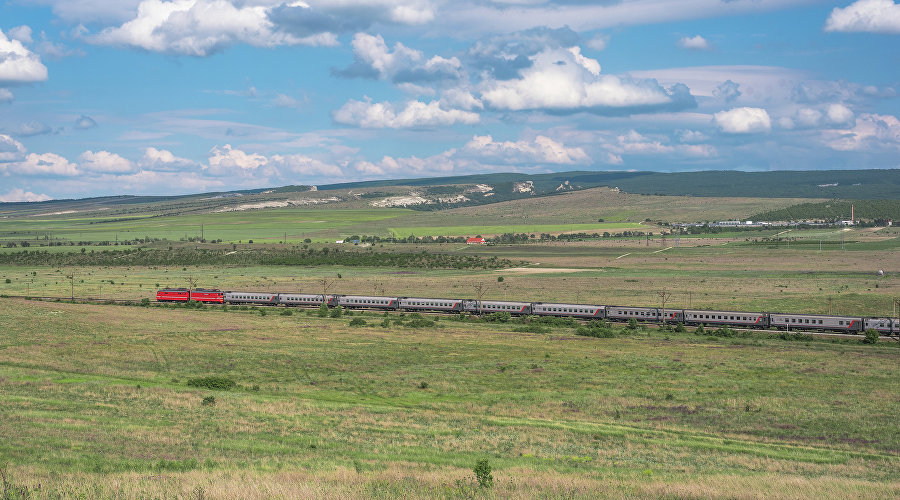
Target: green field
94, 402
404, 232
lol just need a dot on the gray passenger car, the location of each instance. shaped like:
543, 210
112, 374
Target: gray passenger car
264, 298
426, 304
305, 299
815, 322
883, 325
622, 313
492, 306
731, 318
574, 310
368, 302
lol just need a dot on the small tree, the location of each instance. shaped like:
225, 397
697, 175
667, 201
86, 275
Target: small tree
323, 311
871, 336
337, 312
632, 324
483, 474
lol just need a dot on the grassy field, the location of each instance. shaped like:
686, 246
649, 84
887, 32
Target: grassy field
94, 402
472, 230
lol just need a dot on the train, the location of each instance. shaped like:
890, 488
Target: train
693, 317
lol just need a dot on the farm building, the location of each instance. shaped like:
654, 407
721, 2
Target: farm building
475, 241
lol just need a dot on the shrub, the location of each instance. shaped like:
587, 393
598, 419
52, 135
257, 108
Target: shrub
145, 302
212, 382
700, 330
632, 324
262, 312
287, 312
8, 280
871, 336
423, 385
208, 401
357, 322
679, 327
499, 317
386, 323
597, 329
418, 323
483, 474
337, 312
323, 311
531, 328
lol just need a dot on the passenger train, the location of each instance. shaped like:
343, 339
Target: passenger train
738, 319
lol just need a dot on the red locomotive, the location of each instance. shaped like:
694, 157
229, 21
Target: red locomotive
184, 295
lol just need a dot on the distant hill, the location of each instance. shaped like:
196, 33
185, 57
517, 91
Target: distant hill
846, 184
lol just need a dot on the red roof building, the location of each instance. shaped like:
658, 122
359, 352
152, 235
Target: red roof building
475, 241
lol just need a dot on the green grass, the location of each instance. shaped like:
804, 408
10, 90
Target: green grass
403, 232
99, 394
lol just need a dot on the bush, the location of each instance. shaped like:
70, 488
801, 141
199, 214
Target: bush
498, 317
145, 302
632, 324
337, 312
483, 474
287, 312
212, 382
262, 312
386, 322
700, 330
208, 401
679, 327
418, 323
871, 336
323, 311
357, 322
8, 280
597, 329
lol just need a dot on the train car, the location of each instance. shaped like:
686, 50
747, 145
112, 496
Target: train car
306, 299
492, 306
368, 302
730, 318
262, 298
209, 296
425, 304
885, 326
815, 322
654, 314
574, 310
173, 295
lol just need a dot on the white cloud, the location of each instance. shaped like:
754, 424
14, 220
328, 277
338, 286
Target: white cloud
541, 150
104, 161
563, 80
838, 114
85, 122
372, 50
442, 164
637, 144
10, 149
872, 16
43, 164
20, 195
19, 65
6, 95
201, 27
696, 42
870, 132
367, 114
161, 159
226, 160
743, 121
20, 33
599, 42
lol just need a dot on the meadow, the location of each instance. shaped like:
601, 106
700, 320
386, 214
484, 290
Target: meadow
96, 401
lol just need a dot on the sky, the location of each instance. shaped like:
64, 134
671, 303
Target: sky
109, 97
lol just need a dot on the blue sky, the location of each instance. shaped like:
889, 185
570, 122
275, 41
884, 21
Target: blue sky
101, 97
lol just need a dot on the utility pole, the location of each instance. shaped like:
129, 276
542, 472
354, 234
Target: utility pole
690, 299
201, 234
664, 296
830, 299
479, 293
326, 284
192, 282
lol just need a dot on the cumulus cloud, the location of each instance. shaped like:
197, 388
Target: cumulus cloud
743, 121
20, 33
42, 164
870, 132
6, 96
872, 16
10, 149
161, 159
564, 81
104, 162
442, 163
696, 42
541, 149
838, 114
727, 91
20, 195
374, 59
226, 160
85, 122
18, 65
368, 114
320, 16
201, 27
303, 165
503, 57
635, 143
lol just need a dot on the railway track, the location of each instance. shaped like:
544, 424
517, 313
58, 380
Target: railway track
95, 300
